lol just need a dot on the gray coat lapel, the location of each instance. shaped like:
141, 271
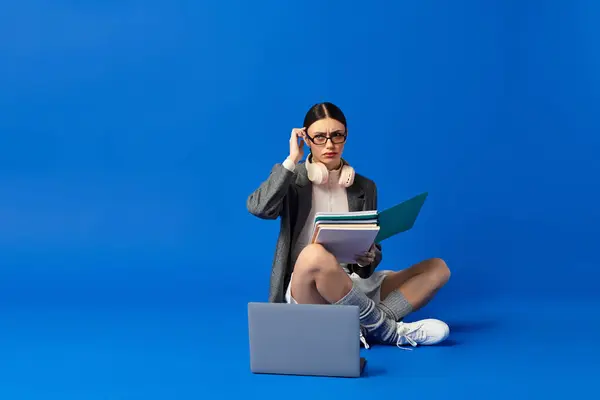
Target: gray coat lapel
356, 197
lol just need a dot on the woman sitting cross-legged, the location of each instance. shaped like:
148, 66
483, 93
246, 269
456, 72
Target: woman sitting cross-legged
307, 273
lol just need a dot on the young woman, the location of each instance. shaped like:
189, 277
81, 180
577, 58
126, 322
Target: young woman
307, 273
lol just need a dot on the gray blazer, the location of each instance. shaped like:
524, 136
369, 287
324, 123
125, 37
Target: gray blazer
288, 195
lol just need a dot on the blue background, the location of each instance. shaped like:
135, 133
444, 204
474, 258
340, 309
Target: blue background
131, 134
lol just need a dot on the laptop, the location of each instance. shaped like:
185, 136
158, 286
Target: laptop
304, 339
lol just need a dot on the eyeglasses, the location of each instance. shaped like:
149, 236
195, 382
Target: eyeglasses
321, 140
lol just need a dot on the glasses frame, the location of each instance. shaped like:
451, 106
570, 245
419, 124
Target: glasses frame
327, 138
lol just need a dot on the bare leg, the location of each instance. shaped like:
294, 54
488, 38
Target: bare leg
318, 277
408, 290
418, 283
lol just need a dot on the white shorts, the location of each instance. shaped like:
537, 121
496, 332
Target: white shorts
370, 286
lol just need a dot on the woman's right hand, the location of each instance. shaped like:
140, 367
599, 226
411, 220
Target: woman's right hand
297, 144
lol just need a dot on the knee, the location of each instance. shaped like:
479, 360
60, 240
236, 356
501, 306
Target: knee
315, 258
440, 271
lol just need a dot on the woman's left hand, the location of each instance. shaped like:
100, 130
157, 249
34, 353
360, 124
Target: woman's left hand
366, 258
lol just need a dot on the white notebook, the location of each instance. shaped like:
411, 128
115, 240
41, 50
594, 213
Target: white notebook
345, 240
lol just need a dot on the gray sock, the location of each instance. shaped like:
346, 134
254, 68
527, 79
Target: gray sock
395, 306
378, 325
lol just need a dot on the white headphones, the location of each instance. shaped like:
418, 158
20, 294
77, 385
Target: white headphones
318, 173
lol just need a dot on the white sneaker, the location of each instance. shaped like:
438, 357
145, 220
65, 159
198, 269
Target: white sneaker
425, 332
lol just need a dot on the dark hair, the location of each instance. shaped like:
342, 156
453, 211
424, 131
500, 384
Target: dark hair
324, 110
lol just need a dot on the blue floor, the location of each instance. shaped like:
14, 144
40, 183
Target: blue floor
539, 349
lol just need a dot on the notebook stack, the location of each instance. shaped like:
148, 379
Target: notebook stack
346, 235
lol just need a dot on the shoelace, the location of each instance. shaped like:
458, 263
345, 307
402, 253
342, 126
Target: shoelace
410, 334
363, 340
